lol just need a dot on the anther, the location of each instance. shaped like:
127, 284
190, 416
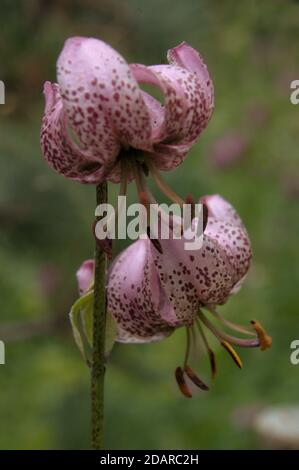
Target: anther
264, 339
154, 241
179, 375
212, 359
235, 356
195, 379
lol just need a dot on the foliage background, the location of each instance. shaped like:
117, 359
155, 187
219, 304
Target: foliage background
249, 154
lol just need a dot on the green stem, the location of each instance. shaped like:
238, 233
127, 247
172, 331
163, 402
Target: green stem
98, 350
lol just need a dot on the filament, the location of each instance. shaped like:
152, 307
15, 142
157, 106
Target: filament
229, 324
163, 185
249, 343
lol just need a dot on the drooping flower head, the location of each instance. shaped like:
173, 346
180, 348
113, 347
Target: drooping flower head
97, 115
170, 287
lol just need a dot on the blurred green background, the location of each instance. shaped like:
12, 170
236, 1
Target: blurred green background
248, 154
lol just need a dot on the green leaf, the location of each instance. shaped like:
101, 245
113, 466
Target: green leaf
81, 316
81, 307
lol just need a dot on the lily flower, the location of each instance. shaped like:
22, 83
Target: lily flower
97, 116
170, 287
136, 299
210, 275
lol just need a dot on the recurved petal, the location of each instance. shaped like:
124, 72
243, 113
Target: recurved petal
85, 275
227, 229
187, 105
135, 297
221, 209
189, 58
156, 113
59, 149
103, 101
234, 241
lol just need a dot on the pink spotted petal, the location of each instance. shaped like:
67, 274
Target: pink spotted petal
168, 156
227, 228
193, 277
238, 285
59, 149
185, 56
156, 113
219, 208
85, 276
103, 101
187, 106
176, 279
234, 241
135, 297
213, 272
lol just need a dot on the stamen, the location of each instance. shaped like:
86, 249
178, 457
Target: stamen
122, 189
229, 324
106, 244
163, 185
147, 199
138, 179
144, 185
145, 168
193, 338
195, 379
232, 353
205, 216
264, 338
179, 375
211, 354
123, 178
190, 200
154, 241
245, 343
144, 200
187, 352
